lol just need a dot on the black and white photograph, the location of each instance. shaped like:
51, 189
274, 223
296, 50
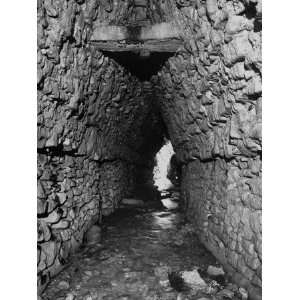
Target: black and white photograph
147, 145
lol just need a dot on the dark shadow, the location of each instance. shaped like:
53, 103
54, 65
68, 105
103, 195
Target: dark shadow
251, 13
142, 67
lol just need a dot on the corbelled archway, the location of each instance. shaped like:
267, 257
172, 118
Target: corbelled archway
102, 118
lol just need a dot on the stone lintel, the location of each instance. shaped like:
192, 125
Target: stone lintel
162, 37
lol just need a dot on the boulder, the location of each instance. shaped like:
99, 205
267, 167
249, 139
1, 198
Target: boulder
193, 279
215, 271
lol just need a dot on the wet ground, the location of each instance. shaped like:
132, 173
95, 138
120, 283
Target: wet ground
140, 256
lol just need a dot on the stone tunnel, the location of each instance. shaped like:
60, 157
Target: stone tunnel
115, 80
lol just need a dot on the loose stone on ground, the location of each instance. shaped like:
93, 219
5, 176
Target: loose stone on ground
139, 258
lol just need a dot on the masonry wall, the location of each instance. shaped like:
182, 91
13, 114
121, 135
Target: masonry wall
210, 98
68, 203
98, 125
92, 116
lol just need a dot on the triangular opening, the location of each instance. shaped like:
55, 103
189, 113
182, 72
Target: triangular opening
141, 65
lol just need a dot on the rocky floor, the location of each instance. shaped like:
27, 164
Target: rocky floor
144, 253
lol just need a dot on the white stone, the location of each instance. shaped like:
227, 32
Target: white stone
62, 197
211, 7
238, 70
49, 249
62, 224
237, 49
193, 279
238, 23
52, 218
254, 86
164, 283
70, 296
243, 293
215, 271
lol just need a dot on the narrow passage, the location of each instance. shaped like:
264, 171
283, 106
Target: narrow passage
143, 254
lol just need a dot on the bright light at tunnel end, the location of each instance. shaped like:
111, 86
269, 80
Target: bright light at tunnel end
161, 169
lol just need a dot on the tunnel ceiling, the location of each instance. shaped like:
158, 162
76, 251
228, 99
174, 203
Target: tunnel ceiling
139, 37
135, 12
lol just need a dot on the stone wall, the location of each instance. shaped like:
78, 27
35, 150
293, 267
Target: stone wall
224, 201
210, 98
118, 180
92, 122
99, 126
68, 204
